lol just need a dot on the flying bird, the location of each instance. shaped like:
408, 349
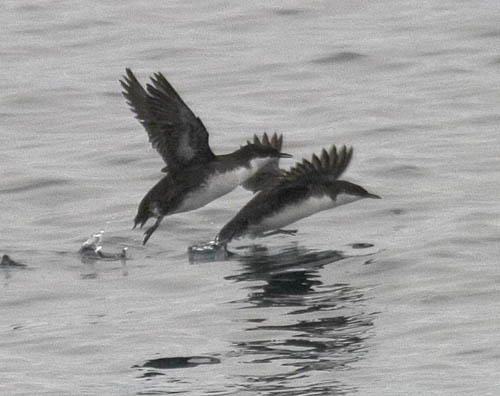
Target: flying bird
307, 188
195, 176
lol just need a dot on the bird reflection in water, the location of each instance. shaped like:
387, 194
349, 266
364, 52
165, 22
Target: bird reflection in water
309, 329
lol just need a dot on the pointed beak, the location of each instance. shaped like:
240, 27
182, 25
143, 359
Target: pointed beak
374, 196
285, 155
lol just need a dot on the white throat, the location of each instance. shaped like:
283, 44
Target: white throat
257, 163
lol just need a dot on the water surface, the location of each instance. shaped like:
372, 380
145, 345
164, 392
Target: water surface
387, 297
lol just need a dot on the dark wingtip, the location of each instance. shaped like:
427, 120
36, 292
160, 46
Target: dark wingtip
275, 141
128, 76
331, 163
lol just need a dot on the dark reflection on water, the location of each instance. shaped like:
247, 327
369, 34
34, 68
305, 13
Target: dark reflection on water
260, 263
176, 362
324, 329
295, 330
339, 57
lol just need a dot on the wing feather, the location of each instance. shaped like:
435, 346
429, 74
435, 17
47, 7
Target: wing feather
173, 129
330, 164
271, 174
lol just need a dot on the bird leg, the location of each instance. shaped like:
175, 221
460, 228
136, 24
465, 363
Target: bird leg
279, 231
151, 229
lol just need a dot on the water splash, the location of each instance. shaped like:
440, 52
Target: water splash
92, 249
208, 252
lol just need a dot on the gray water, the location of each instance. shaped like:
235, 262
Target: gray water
398, 296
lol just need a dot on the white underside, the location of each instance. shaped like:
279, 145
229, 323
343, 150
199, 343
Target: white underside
294, 212
220, 184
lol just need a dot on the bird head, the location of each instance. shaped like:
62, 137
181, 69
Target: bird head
261, 152
354, 190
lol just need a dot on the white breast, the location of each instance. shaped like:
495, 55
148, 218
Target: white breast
294, 212
218, 185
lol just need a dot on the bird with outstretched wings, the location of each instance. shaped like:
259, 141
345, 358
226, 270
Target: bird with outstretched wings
174, 130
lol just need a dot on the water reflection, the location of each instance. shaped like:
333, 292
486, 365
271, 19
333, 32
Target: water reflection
176, 362
292, 334
308, 330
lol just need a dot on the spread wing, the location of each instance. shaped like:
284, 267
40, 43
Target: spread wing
174, 131
271, 174
330, 164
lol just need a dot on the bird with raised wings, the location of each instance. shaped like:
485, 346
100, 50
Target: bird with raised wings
307, 188
195, 176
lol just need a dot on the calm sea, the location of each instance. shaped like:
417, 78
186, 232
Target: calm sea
399, 296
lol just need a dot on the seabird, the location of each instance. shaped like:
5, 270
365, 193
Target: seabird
307, 188
195, 176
